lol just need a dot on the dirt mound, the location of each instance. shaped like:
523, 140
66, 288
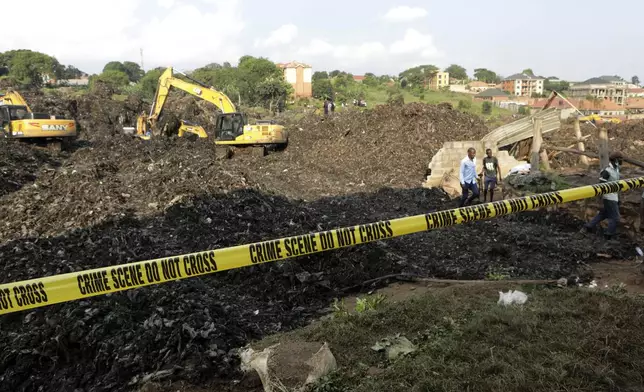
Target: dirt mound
187, 329
97, 113
364, 150
20, 165
114, 175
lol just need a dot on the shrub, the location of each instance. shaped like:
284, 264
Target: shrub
487, 107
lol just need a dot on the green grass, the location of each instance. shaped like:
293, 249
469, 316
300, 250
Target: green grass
561, 340
379, 95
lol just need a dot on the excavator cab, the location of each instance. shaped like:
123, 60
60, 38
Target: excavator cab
229, 126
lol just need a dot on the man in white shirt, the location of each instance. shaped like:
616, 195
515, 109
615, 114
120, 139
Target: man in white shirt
610, 210
468, 177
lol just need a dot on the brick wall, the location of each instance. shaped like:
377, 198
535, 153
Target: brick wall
447, 160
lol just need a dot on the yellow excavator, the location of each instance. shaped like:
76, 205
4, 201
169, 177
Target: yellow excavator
19, 122
231, 128
597, 119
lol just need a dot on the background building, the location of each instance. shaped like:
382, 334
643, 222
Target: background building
523, 85
299, 75
439, 80
607, 88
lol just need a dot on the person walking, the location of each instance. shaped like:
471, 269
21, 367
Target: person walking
610, 210
326, 106
491, 174
468, 177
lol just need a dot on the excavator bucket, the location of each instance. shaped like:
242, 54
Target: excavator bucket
142, 130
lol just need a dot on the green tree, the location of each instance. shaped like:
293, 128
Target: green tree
319, 75
149, 82
274, 92
133, 71
464, 104
486, 107
370, 80
334, 73
255, 81
343, 81
557, 85
322, 88
111, 78
635, 80
29, 68
456, 72
528, 71
71, 72
419, 76
487, 76
395, 97
115, 66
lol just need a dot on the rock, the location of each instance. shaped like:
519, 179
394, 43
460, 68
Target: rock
394, 346
292, 365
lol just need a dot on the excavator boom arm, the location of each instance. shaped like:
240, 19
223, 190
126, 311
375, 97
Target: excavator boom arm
12, 97
167, 81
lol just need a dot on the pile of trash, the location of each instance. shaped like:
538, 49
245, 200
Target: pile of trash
627, 137
21, 164
189, 329
356, 150
116, 199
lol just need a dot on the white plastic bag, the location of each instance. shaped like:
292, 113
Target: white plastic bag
512, 297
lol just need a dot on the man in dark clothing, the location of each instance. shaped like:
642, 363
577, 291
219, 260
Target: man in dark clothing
610, 210
491, 174
326, 107
332, 106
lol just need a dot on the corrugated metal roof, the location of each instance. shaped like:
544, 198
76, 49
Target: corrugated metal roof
523, 129
493, 92
522, 76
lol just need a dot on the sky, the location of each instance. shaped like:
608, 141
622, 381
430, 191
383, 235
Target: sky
572, 39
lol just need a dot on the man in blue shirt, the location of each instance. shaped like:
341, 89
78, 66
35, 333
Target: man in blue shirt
468, 177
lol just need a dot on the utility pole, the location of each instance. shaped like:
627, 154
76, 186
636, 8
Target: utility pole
141, 50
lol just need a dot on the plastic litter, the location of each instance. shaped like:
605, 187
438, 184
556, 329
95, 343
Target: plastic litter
512, 297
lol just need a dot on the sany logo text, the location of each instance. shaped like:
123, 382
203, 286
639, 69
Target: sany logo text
57, 127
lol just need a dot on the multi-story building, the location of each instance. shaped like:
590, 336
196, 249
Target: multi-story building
607, 88
439, 80
299, 75
522, 85
635, 92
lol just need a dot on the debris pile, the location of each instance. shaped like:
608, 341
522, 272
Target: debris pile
20, 164
627, 137
112, 177
364, 150
116, 199
96, 113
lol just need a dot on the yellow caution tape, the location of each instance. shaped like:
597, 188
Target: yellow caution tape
49, 290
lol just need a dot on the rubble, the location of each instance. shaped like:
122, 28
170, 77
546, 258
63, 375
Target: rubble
627, 137
116, 199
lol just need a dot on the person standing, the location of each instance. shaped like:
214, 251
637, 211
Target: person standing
326, 106
610, 210
491, 174
468, 177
